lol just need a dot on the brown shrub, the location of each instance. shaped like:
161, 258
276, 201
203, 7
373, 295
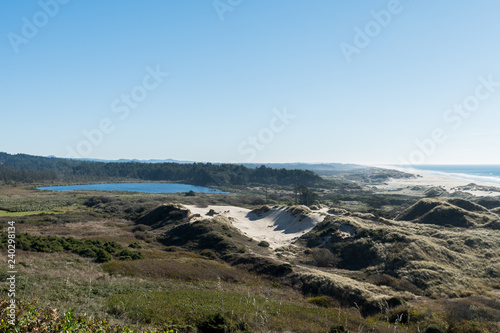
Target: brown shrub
324, 258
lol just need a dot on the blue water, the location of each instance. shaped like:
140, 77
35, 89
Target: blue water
134, 187
474, 173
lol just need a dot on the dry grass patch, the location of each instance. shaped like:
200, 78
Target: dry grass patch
186, 269
106, 230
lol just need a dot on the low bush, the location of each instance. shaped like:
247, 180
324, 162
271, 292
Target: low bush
433, 328
338, 329
91, 248
135, 246
324, 258
263, 244
96, 200
323, 301
213, 324
129, 255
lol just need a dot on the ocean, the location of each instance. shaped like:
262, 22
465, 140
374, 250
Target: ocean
475, 173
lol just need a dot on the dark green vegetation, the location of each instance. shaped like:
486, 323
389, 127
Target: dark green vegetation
100, 251
26, 168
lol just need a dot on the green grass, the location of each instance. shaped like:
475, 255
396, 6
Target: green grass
4, 213
191, 305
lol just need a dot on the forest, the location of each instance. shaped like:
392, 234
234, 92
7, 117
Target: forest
28, 169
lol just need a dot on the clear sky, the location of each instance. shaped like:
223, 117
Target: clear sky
370, 82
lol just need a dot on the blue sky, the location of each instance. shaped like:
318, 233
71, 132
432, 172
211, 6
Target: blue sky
252, 81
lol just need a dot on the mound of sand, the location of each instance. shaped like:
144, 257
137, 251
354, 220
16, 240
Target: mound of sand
279, 226
467, 205
419, 209
202, 234
435, 191
455, 212
489, 203
447, 215
163, 215
496, 210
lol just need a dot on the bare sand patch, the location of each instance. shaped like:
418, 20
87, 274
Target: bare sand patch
278, 226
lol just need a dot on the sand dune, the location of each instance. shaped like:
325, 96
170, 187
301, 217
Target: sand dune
279, 226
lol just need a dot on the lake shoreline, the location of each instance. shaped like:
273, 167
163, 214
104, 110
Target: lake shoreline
137, 187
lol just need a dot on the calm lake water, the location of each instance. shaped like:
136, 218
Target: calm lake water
134, 187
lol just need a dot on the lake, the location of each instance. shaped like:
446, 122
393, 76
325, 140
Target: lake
134, 187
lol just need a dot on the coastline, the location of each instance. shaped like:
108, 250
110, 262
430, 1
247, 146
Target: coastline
447, 181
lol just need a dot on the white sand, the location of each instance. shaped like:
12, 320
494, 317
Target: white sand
278, 226
449, 183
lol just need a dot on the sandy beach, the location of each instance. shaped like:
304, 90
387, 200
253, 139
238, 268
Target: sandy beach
448, 183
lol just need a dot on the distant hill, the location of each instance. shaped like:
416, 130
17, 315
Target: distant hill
339, 167
168, 160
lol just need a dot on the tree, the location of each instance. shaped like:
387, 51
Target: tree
304, 196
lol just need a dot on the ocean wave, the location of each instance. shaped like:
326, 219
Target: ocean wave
474, 178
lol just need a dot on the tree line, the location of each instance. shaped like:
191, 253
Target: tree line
29, 169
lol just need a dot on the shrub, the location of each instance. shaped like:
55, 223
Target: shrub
135, 246
213, 324
433, 328
96, 200
259, 201
208, 254
338, 329
90, 248
243, 327
323, 257
323, 301
112, 247
263, 244
129, 255
405, 316
103, 256
86, 252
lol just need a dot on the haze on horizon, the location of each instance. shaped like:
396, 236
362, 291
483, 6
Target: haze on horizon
382, 82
